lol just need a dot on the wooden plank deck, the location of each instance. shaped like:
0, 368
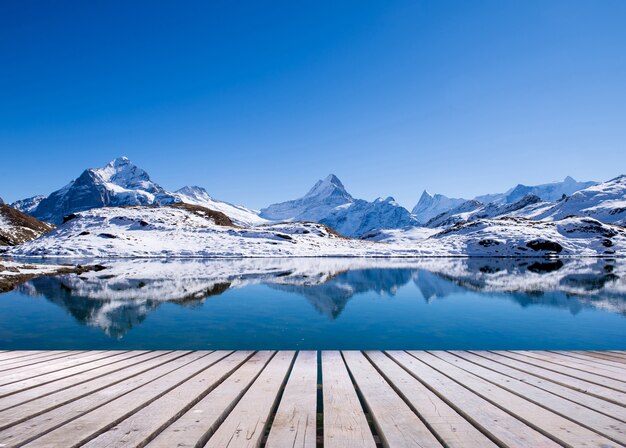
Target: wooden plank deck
312, 399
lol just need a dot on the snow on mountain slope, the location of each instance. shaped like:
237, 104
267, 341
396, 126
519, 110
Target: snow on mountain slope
474, 210
430, 206
183, 230
438, 210
314, 206
175, 231
547, 192
119, 183
17, 227
457, 214
605, 201
510, 236
199, 196
361, 217
329, 203
28, 205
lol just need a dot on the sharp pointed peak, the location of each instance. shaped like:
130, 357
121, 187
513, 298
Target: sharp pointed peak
426, 195
333, 179
569, 179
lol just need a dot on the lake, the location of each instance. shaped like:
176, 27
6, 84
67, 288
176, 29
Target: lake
446, 303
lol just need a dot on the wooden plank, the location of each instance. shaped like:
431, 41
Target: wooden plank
597, 404
345, 424
591, 367
545, 421
590, 377
452, 429
589, 388
72, 382
583, 416
200, 422
42, 423
145, 424
91, 424
35, 369
621, 353
594, 359
12, 355
25, 362
53, 377
245, 425
604, 355
490, 419
396, 423
295, 420
585, 362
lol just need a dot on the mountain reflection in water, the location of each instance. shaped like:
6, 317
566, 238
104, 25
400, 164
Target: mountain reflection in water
122, 296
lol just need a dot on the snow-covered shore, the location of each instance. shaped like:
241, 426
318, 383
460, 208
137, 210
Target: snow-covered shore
116, 232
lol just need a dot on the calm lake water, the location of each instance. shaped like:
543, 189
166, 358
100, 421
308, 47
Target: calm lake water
323, 304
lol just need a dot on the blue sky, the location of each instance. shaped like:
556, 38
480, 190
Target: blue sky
257, 100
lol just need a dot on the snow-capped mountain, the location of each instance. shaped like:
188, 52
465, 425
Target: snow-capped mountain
473, 210
361, 217
122, 183
440, 211
29, 204
199, 196
317, 204
430, 206
119, 183
547, 192
605, 202
329, 203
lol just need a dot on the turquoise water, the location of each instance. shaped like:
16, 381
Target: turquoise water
459, 305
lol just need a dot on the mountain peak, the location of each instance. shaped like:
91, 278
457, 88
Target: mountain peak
120, 160
569, 180
332, 179
331, 185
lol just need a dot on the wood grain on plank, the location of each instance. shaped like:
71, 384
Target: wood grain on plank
17, 413
345, 424
559, 368
549, 423
621, 366
452, 428
583, 416
89, 370
59, 364
499, 424
58, 416
590, 401
142, 426
395, 421
295, 420
245, 425
591, 367
199, 423
91, 424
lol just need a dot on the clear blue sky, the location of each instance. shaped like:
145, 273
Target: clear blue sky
257, 100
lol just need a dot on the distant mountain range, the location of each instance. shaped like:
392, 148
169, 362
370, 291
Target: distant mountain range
121, 183
329, 203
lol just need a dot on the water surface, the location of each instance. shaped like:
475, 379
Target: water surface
323, 304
